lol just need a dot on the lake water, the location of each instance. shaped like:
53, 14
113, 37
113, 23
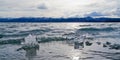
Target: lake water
61, 41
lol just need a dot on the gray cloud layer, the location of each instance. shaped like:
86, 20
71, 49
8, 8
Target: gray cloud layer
59, 8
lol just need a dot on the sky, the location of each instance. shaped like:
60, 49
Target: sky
59, 8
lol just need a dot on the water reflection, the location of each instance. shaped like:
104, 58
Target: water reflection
31, 50
31, 53
78, 45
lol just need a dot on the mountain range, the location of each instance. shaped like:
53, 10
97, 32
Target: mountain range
72, 19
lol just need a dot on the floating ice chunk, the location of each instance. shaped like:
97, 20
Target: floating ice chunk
30, 39
30, 43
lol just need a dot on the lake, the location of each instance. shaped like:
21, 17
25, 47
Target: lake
61, 41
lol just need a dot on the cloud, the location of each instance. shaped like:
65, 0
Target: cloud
117, 12
94, 14
42, 6
58, 8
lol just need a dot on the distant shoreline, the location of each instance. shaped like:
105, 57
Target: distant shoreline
43, 19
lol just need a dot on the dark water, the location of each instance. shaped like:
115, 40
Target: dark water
61, 41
